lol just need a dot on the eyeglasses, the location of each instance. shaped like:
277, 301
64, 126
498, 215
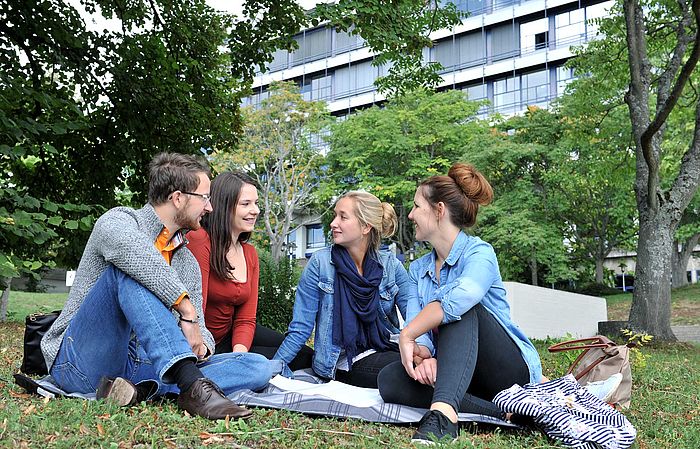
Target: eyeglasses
205, 196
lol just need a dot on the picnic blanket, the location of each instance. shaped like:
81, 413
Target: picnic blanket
306, 394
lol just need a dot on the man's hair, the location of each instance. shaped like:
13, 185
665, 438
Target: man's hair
169, 172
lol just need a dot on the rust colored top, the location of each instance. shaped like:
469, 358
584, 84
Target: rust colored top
229, 305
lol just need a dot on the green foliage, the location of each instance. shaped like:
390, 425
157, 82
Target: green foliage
276, 291
595, 289
563, 195
636, 340
388, 151
34, 233
276, 151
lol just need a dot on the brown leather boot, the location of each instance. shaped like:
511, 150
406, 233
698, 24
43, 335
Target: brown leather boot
204, 398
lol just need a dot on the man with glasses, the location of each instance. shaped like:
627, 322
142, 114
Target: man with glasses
133, 326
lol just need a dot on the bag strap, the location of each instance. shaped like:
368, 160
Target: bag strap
598, 341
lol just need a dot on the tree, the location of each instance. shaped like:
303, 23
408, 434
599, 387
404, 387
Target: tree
686, 239
592, 183
520, 224
388, 151
275, 149
661, 46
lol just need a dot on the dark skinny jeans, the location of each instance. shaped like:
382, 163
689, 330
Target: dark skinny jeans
476, 359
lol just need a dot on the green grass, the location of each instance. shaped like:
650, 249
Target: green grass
685, 306
664, 410
25, 303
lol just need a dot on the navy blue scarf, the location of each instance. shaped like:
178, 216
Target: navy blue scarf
356, 302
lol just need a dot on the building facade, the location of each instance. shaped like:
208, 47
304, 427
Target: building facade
508, 52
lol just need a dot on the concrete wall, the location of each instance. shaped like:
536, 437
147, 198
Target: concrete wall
543, 312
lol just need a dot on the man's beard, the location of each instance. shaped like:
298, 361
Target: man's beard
186, 222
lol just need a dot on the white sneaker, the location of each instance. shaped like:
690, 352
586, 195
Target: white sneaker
604, 389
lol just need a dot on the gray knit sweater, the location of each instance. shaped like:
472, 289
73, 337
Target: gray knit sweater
125, 238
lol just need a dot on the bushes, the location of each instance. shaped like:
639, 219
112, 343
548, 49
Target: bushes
278, 283
594, 289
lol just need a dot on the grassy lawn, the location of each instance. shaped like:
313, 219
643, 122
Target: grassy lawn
664, 411
685, 306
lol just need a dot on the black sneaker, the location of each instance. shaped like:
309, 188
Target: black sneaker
118, 390
434, 426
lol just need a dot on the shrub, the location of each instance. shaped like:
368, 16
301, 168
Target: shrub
594, 289
278, 284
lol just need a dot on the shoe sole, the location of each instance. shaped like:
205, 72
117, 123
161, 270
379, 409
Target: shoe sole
122, 392
430, 442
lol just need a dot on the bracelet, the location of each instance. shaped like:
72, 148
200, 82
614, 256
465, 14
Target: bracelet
190, 321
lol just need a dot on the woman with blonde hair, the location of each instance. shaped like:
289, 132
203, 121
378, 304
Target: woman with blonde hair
350, 292
460, 346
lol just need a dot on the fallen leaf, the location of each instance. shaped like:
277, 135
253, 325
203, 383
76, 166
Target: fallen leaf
29, 410
19, 395
84, 430
46, 400
100, 429
171, 444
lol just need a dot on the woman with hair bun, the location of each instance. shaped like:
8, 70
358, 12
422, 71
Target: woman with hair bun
459, 347
349, 293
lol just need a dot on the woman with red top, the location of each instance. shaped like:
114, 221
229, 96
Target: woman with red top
230, 269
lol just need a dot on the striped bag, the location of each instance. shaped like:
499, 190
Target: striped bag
567, 412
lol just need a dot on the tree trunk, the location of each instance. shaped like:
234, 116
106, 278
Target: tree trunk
533, 270
651, 304
5, 298
599, 270
681, 258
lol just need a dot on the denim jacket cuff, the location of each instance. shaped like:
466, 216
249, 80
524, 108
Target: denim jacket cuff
286, 372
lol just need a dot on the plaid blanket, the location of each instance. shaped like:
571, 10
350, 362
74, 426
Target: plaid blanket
276, 398
310, 404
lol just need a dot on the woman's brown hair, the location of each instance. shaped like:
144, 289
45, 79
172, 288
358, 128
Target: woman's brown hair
225, 191
463, 190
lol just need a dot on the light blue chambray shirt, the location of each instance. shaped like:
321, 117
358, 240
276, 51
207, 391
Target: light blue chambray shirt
469, 276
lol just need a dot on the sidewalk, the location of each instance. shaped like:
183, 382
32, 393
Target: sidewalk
687, 333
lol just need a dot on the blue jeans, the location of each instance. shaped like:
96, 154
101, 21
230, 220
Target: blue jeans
124, 330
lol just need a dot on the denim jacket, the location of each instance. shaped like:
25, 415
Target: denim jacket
469, 275
313, 306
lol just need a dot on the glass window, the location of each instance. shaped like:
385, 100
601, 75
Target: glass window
354, 79
564, 76
535, 88
313, 45
570, 27
504, 41
315, 237
321, 88
473, 6
506, 95
279, 60
444, 53
476, 92
471, 48
534, 35
344, 41
594, 12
